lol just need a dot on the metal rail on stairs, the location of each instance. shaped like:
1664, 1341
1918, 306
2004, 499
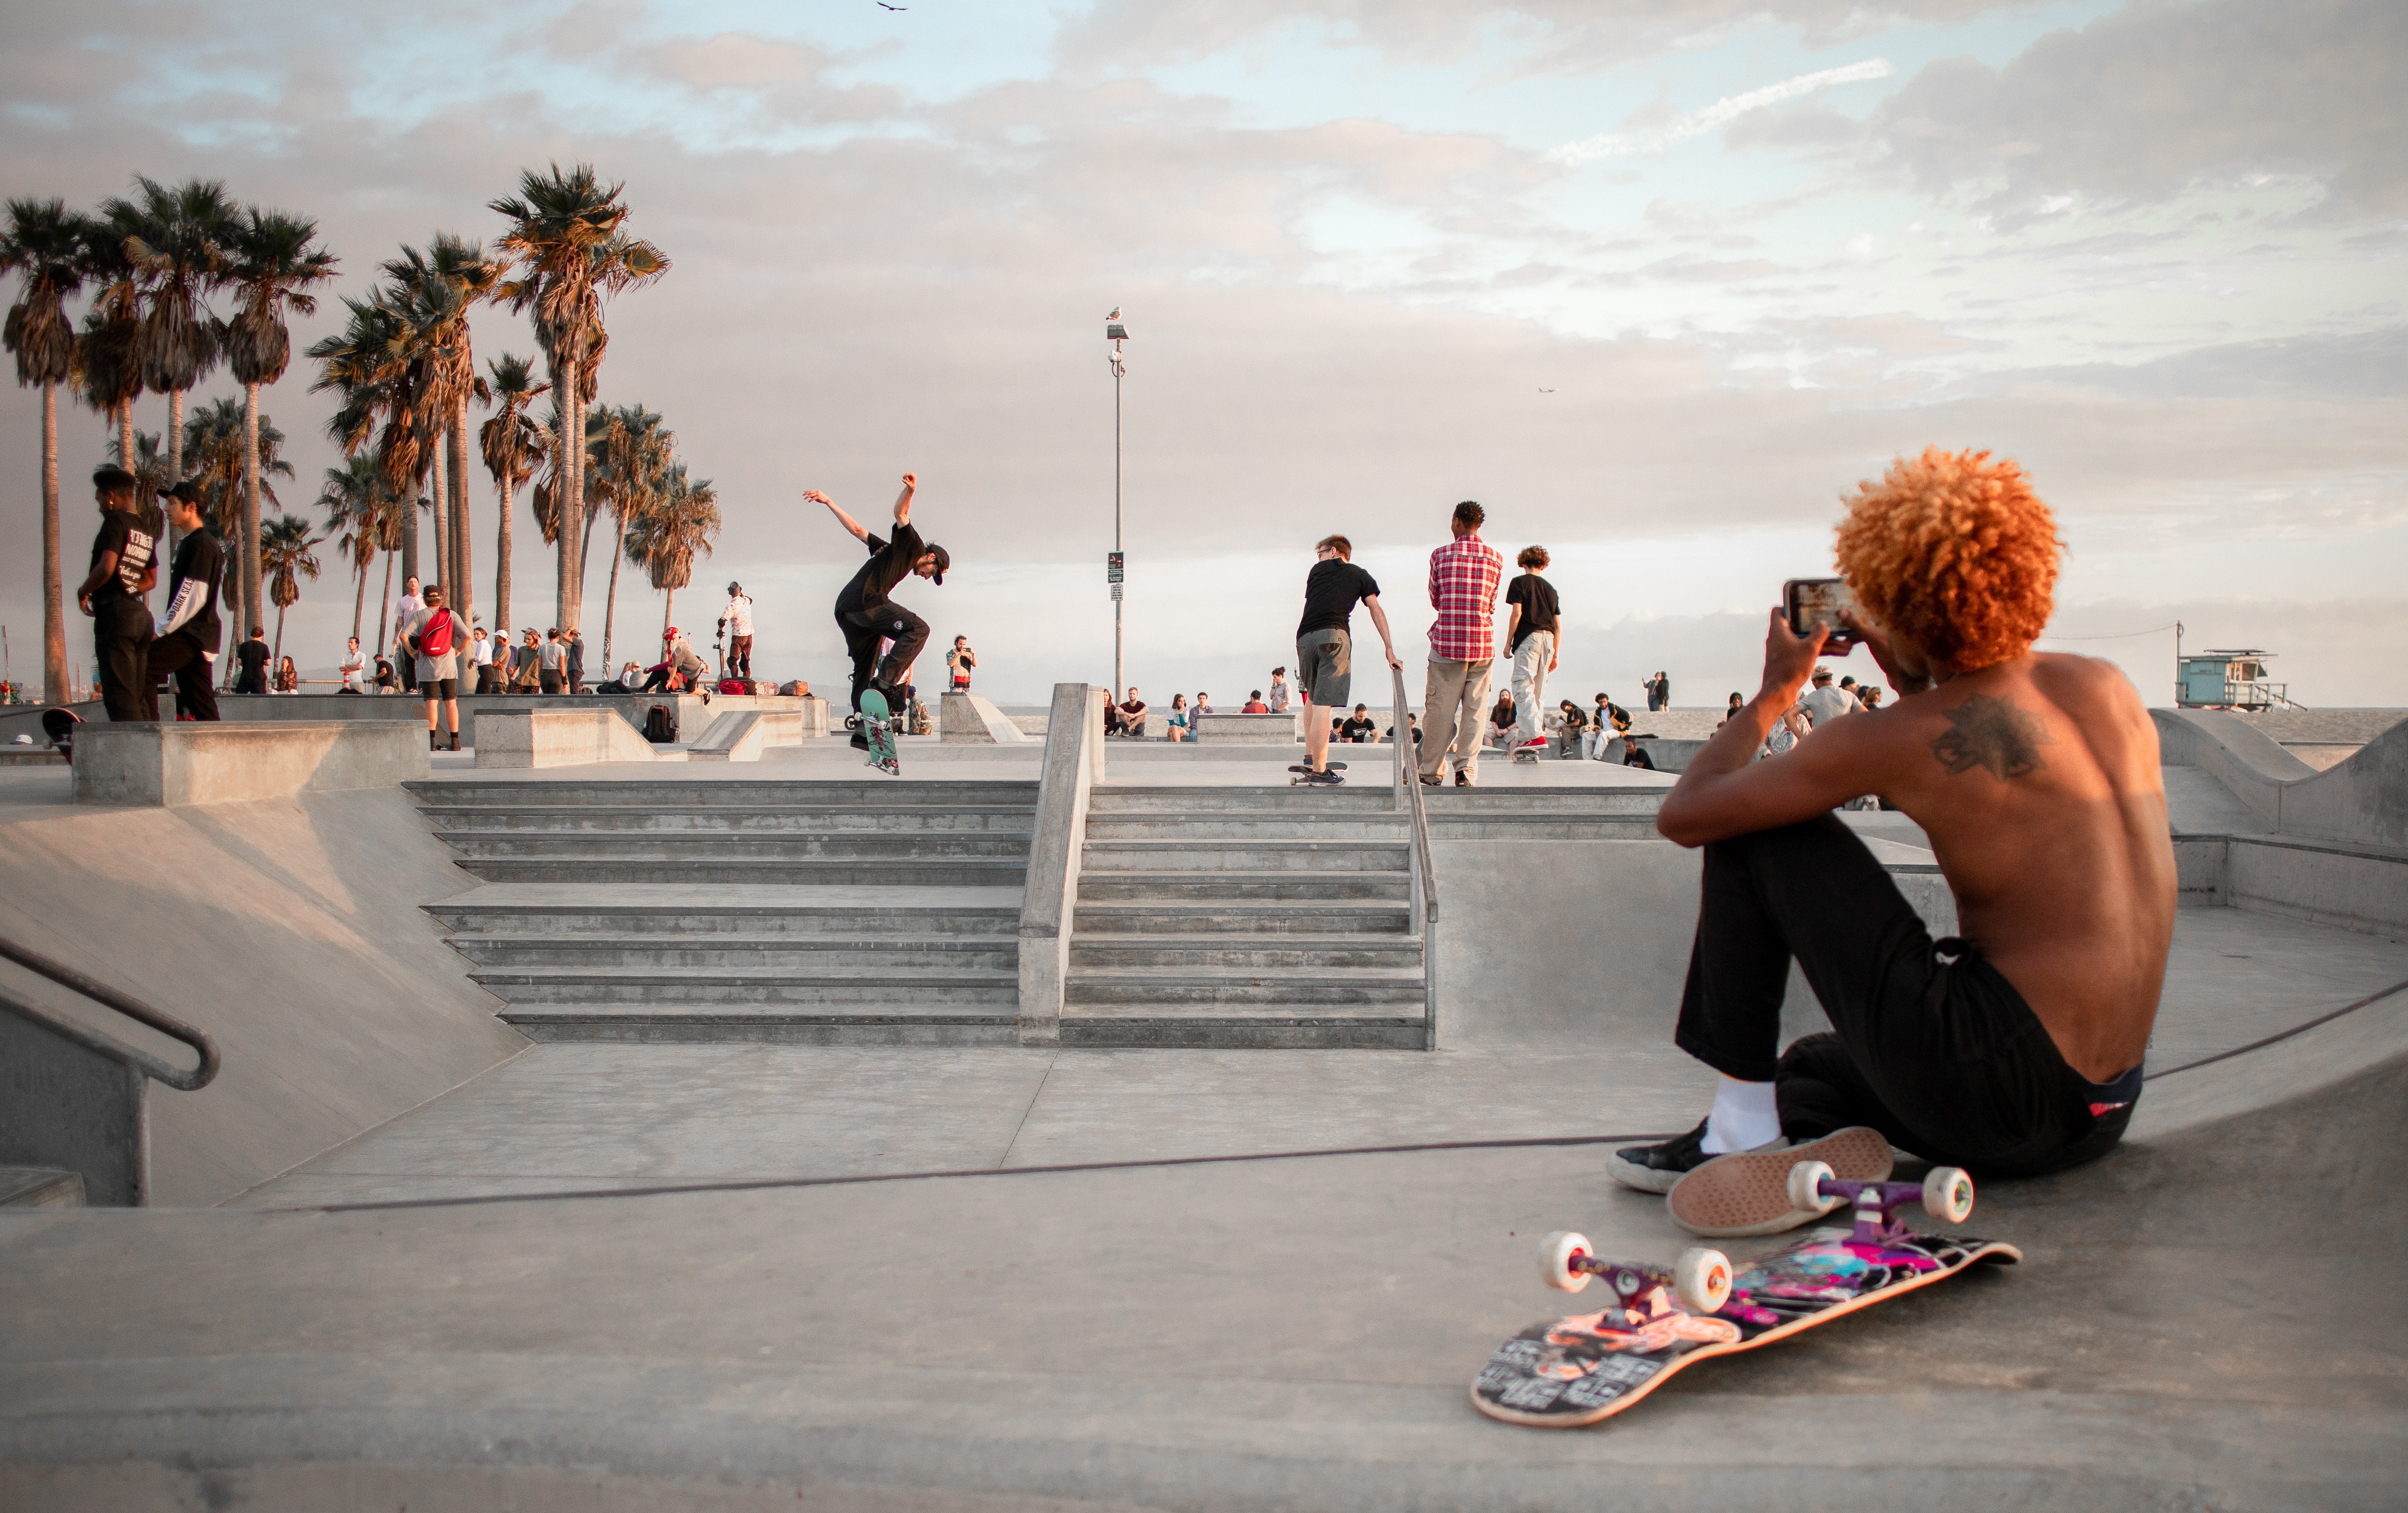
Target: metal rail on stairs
77, 1100
1424, 908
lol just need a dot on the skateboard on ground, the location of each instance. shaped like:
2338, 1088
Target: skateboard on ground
60, 725
877, 722
1579, 1370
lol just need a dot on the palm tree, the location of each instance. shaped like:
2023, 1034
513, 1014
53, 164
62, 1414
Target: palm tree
273, 262
437, 289
44, 247
360, 506
227, 445
179, 250
664, 540
628, 450
150, 479
569, 250
376, 365
284, 550
108, 356
512, 444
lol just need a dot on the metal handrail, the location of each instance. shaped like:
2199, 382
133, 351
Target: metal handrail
133, 1008
1423, 887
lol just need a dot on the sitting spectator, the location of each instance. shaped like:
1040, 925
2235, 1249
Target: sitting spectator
661, 677
1127, 717
1178, 716
1500, 723
1359, 728
1635, 755
288, 678
1197, 711
386, 681
629, 679
1254, 704
1573, 725
1413, 722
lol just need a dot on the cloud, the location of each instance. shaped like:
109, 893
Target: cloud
1721, 113
2156, 98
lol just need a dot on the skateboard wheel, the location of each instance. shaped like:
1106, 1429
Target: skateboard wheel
1806, 1181
1555, 1255
1701, 1279
1948, 1194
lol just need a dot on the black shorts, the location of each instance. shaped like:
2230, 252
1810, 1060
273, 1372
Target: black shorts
438, 689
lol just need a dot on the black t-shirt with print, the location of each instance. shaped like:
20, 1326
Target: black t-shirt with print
1539, 611
890, 562
1359, 729
1331, 591
122, 531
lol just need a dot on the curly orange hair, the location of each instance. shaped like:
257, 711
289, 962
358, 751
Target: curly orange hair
1955, 551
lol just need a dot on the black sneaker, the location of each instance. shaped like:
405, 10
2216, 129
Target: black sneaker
1657, 1167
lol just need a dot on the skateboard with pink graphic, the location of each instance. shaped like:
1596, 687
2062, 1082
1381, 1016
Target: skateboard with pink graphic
1660, 1319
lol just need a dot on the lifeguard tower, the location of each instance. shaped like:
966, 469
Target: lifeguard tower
2230, 679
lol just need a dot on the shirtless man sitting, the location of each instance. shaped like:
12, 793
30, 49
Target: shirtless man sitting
2013, 1049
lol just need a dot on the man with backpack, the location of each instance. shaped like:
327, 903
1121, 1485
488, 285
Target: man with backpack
433, 636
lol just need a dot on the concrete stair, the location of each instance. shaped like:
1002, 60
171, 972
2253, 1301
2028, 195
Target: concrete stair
1224, 916
798, 912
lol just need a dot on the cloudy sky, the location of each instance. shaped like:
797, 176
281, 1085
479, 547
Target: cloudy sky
1654, 282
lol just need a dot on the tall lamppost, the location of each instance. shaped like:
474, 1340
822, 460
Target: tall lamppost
1116, 332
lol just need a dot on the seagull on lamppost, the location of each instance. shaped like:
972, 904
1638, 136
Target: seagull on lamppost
1116, 309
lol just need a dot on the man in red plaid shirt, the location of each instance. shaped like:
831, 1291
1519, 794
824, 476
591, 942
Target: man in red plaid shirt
1463, 590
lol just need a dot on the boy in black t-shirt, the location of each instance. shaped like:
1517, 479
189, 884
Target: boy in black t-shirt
865, 614
1324, 645
1534, 639
252, 655
125, 565
189, 633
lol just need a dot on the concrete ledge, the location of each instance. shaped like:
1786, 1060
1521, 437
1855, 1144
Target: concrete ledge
1219, 729
559, 738
966, 719
745, 735
191, 762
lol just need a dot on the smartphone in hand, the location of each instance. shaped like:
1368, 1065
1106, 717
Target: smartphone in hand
1812, 601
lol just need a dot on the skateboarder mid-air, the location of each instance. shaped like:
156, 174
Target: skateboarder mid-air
2014, 1047
865, 614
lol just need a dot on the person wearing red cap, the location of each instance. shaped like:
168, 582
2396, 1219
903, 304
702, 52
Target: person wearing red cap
865, 614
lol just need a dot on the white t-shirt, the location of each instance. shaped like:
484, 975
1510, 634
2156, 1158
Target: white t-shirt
739, 615
1827, 704
354, 663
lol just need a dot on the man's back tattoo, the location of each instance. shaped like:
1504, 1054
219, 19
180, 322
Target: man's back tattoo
1992, 733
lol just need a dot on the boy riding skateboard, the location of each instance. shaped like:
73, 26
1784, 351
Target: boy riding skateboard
865, 614
2014, 1048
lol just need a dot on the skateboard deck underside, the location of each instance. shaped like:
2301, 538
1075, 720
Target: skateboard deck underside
1577, 1370
877, 723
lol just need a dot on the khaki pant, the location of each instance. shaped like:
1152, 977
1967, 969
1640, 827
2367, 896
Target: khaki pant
1455, 710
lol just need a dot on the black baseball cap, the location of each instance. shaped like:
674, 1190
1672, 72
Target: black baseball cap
184, 489
944, 560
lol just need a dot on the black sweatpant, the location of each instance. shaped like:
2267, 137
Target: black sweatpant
864, 627
1929, 1044
120, 643
180, 655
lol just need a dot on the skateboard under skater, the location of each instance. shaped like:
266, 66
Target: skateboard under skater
60, 725
877, 722
1579, 1370
1304, 779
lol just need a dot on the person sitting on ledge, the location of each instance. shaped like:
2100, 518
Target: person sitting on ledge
2012, 1048
1127, 717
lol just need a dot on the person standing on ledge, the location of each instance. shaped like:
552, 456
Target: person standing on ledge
736, 622
433, 636
1324, 645
1534, 641
125, 565
1463, 577
867, 616
2014, 1048
188, 638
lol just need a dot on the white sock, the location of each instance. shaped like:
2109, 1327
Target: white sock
1744, 1117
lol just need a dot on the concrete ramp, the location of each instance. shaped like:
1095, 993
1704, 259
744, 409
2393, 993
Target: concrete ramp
289, 931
